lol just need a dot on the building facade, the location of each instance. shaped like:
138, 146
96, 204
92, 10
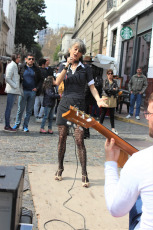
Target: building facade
66, 39
9, 8
4, 27
90, 25
130, 32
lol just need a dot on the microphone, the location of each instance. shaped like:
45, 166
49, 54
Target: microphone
69, 67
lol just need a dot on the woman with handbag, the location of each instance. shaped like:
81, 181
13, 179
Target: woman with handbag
110, 91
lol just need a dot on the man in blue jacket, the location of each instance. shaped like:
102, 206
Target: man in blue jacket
31, 80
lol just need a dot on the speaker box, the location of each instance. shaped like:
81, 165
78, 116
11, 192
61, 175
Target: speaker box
11, 191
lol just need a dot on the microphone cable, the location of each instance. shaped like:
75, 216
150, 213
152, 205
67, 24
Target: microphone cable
65, 202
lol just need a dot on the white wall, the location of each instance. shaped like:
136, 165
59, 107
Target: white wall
9, 8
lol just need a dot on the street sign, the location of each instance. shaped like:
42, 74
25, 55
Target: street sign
126, 33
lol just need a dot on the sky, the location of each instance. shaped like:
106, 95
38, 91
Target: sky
60, 13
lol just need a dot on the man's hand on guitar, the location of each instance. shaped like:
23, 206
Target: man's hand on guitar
101, 102
112, 151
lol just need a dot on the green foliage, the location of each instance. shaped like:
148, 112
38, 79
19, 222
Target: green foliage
56, 52
36, 49
28, 21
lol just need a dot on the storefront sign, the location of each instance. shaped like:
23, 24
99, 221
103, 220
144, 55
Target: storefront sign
126, 33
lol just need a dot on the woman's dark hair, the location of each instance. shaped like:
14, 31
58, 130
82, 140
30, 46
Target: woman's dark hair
42, 61
48, 82
109, 70
15, 56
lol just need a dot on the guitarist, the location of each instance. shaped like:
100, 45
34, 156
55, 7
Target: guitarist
133, 191
75, 76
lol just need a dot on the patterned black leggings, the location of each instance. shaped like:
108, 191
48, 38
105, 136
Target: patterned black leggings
79, 139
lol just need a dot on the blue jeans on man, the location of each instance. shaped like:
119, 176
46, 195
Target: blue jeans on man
27, 100
135, 214
138, 99
10, 102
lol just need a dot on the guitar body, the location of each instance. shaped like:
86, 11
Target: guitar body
86, 121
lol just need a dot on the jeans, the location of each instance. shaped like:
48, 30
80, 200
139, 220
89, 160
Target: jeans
135, 98
25, 101
48, 113
10, 102
38, 108
135, 214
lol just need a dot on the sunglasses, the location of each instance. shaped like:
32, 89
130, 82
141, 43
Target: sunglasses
110, 73
31, 59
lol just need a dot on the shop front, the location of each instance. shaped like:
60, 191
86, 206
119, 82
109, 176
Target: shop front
136, 49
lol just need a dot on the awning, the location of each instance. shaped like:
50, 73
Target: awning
103, 61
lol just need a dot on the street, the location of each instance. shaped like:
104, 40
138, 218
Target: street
34, 148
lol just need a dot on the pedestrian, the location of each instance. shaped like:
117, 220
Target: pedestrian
38, 105
48, 103
137, 86
89, 99
132, 192
31, 82
75, 75
110, 91
48, 67
13, 89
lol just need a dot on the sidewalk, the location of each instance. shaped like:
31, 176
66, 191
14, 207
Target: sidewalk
133, 120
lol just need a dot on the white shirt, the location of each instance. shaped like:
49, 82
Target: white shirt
136, 178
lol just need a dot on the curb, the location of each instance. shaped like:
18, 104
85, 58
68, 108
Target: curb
130, 121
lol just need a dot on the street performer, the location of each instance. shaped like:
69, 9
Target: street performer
133, 191
75, 76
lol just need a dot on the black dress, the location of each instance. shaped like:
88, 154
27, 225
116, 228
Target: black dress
74, 90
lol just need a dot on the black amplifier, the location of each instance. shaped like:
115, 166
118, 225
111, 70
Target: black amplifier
11, 191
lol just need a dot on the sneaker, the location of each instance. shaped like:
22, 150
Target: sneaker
128, 116
115, 131
39, 119
15, 127
9, 129
137, 117
25, 129
43, 131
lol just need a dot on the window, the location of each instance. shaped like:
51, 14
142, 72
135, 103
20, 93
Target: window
127, 58
114, 43
111, 4
144, 41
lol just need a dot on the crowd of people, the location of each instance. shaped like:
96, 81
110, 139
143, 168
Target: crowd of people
37, 90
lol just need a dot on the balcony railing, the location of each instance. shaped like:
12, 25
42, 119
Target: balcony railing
111, 4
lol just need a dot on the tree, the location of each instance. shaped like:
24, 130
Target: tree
28, 21
56, 58
36, 49
54, 40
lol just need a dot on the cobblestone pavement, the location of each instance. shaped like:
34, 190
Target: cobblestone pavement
34, 148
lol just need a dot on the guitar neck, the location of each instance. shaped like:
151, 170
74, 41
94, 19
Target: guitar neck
125, 146
84, 120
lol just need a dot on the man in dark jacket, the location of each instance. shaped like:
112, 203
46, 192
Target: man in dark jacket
31, 81
137, 86
38, 106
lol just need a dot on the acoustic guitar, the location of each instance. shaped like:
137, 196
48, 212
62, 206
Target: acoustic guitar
78, 117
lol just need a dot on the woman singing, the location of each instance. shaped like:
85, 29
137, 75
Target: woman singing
75, 76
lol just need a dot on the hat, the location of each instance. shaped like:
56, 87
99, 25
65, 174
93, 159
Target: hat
87, 59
